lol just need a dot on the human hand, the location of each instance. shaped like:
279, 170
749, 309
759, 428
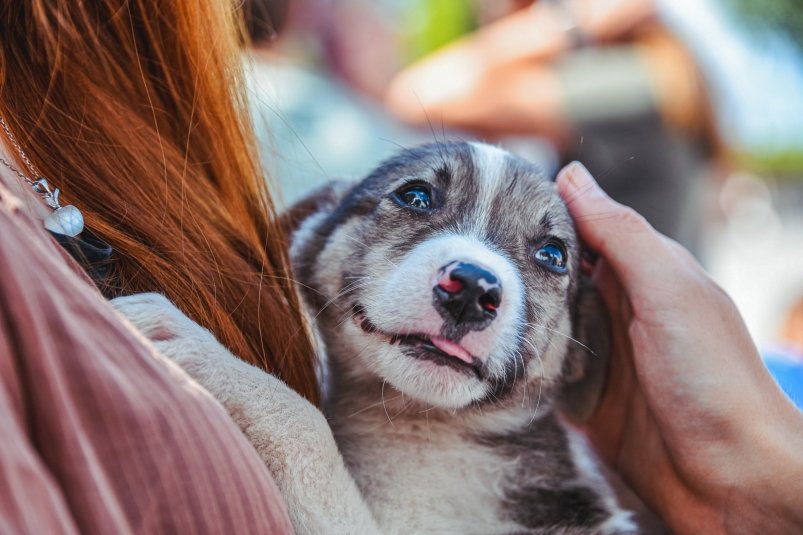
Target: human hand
690, 417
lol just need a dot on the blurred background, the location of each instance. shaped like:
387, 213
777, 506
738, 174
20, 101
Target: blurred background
690, 111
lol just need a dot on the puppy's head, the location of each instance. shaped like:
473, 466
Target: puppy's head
449, 272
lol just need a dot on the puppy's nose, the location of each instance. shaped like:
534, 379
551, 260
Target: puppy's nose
467, 293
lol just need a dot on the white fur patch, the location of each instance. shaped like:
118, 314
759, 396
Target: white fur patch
489, 162
401, 301
621, 520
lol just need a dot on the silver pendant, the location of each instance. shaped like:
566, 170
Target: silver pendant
66, 220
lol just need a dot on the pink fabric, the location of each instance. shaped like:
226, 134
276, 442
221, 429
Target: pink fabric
99, 433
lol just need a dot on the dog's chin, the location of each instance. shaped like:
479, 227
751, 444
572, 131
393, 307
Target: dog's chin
417, 367
424, 374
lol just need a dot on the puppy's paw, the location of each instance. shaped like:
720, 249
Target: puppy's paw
153, 315
291, 435
173, 334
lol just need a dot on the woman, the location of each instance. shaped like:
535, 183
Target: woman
136, 111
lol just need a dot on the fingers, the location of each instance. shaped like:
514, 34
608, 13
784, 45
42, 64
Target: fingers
637, 253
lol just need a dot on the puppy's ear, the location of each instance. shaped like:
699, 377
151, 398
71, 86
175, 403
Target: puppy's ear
320, 200
586, 364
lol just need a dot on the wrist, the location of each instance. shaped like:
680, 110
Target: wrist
753, 485
764, 490
775, 482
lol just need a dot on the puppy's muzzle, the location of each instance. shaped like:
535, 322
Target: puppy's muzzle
467, 295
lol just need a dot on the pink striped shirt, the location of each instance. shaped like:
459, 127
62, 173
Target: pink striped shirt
99, 434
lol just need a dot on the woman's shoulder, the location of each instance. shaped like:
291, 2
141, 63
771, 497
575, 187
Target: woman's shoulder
126, 438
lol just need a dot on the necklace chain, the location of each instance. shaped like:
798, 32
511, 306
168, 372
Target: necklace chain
23, 156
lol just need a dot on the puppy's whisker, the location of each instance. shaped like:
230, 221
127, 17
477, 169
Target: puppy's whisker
576, 341
265, 276
348, 315
384, 405
350, 288
429, 430
404, 406
516, 376
524, 371
384, 257
540, 382
396, 143
372, 405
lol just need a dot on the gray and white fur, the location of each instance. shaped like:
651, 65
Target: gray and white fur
447, 323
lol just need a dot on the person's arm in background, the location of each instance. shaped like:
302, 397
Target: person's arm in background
462, 75
690, 417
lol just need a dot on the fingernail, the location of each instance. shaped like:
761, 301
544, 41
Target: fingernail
576, 177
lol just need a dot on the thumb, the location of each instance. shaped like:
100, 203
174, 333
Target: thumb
636, 252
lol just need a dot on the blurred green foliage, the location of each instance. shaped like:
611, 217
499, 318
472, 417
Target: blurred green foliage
780, 164
429, 24
779, 15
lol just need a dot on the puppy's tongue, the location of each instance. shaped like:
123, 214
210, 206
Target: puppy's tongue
451, 348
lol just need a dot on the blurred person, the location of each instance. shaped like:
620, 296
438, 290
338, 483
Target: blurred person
604, 81
365, 43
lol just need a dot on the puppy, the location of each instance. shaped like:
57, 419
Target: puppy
445, 288
446, 292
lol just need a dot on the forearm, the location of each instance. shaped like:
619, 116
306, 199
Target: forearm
758, 488
613, 20
538, 34
548, 30
506, 66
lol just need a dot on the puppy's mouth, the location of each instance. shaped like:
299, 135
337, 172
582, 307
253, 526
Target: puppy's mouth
437, 349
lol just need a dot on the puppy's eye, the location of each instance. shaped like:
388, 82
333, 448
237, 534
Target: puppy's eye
552, 255
417, 196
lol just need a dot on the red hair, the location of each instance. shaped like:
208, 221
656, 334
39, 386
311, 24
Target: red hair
136, 110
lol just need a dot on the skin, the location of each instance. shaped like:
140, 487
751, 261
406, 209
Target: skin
690, 418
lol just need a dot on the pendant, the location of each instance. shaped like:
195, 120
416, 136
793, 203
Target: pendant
66, 220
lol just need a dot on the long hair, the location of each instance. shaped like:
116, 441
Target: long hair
136, 110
